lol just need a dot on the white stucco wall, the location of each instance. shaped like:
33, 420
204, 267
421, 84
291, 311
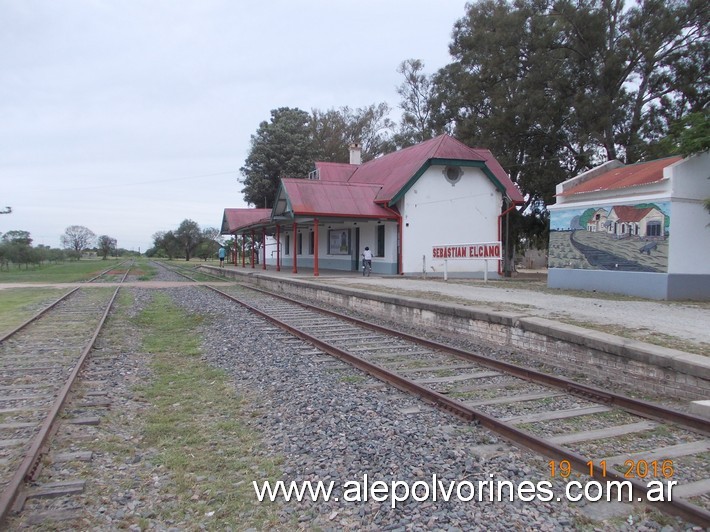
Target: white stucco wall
686, 274
689, 250
368, 237
435, 212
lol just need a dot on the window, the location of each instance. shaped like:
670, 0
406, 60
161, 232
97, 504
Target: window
310, 243
653, 228
299, 244
453, 174
287, 244
380, 240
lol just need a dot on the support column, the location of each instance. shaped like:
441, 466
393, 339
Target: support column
295, 247
252, 249
244, 247
315, 247
400, 266
263, 245
278, 248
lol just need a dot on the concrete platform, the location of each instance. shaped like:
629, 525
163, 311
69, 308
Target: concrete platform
527, 295
567, 329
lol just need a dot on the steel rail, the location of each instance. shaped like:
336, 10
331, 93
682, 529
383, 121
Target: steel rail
636, 406
55, 303
38, 315
108, 270
681, 508
31, 461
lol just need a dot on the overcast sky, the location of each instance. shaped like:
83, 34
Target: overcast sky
129, 116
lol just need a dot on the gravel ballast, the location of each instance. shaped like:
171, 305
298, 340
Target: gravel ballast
338, 424
327, 422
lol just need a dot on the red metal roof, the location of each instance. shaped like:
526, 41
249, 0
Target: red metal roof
234, 219
308, 197
625, 176
335, 171
395, 170
345, 190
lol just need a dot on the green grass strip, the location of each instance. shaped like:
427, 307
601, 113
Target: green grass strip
64, 272
199, 424
19, 304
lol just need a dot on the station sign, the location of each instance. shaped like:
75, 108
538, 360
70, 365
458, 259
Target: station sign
479, 250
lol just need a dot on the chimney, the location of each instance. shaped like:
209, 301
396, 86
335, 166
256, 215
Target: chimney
355, 153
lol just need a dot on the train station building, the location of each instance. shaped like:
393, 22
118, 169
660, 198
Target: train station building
415, 209
639, 230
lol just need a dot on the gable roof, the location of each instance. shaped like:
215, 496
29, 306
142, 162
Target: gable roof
308, 197
234, 219
396, 172
629, 213
620, 176
368, 190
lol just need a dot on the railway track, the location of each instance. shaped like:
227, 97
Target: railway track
40, 361
638, 448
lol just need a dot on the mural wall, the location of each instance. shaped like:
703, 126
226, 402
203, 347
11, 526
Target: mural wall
619, 237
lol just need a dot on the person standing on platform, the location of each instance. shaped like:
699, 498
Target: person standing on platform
222, 254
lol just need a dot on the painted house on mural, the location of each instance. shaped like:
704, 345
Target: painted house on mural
640, 230
625, 221
403, 206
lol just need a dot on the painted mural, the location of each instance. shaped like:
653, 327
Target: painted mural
619, 237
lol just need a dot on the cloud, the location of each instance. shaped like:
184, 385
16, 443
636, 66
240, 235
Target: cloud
98, 95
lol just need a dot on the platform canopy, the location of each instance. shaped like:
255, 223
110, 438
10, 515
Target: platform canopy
235, 219
328, 200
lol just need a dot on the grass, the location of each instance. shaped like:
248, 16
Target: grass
144, 270
65, 272
19, 304
200, 426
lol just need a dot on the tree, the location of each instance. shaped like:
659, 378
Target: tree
107, 245
554, 88
688, 136
371, 128
18, 237
506, 91
16, 247
290, 144
417, 95
280, 148
335, 130
165, 244
77, 238
188, 236
210, 243
638, 70
331, 135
